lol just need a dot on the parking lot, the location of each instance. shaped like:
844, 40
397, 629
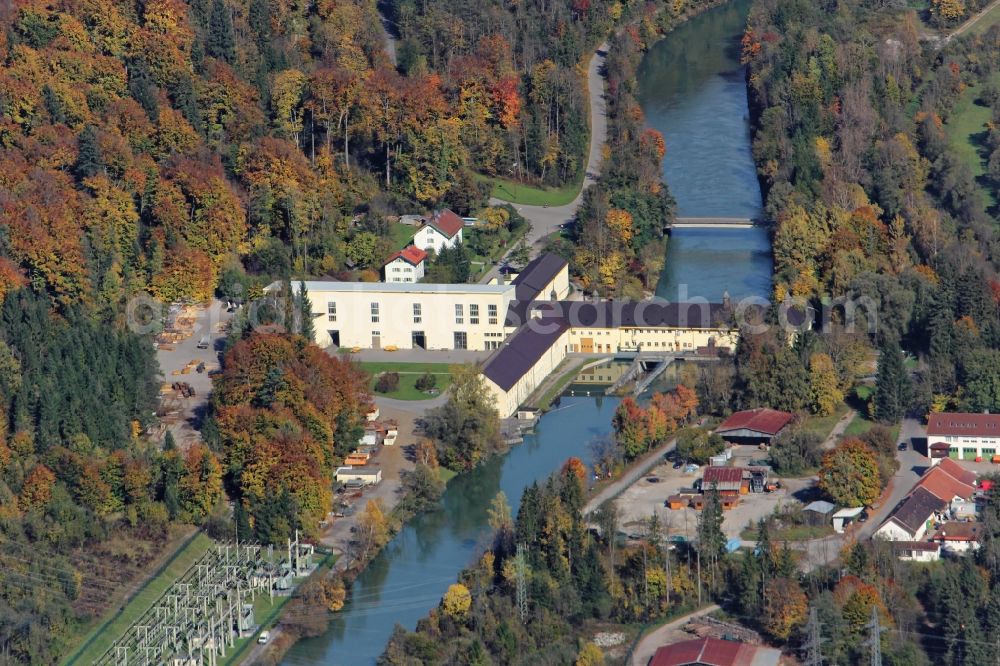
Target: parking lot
646, 496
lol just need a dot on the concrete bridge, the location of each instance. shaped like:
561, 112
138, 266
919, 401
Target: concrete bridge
711, 223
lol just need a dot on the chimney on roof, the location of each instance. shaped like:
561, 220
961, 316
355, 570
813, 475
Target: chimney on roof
725, 299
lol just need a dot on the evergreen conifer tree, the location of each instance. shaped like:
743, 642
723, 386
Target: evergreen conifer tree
306, 328
89, 161
221, 39
892, 385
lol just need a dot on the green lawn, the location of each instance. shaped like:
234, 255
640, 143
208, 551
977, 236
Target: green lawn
860, 425
107, 632
989, 19
556, 389
822, 425
518, 193
401, 234
409, 373
966, 132
446, 474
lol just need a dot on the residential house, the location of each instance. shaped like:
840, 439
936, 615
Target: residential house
407, 265
958, 538
443, 229
917, 551
909, 522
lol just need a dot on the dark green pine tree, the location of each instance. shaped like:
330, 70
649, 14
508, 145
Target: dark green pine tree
711, 539
142, 89
89, 161
186, 101
306, 327
892, 385
169, 444
221, 38
53, 104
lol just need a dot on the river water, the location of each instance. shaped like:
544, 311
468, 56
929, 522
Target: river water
411, 574
692, 89
693, 92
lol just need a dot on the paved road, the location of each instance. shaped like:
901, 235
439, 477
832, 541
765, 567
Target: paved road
544, 220
911, 467
661, 636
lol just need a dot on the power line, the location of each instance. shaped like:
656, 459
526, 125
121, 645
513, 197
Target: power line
522, 591
874, 641
814, 640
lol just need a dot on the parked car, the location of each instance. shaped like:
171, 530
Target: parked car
653, 479
264, 637
678, 464
691, 468
863, 517
902, 446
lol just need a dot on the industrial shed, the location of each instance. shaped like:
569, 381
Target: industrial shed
754, 426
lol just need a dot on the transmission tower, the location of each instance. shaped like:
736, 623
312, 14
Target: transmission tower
814, 641
874, 641
521, 567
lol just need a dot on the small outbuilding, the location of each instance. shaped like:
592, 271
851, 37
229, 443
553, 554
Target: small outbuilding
844, 517
818, 512
366, 474
754, 426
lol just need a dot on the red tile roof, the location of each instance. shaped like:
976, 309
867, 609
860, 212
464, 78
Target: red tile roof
714, 652
765, 420
941, 483
969, 425
446, 222
965, 476
410, 254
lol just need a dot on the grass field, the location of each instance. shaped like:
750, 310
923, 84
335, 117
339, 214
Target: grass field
401, 234
409, 373
518, 193
104, 635
967, 133
790, 533
556, 389
446, 474
822, 425
989, 19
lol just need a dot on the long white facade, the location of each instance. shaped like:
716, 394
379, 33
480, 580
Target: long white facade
429, 316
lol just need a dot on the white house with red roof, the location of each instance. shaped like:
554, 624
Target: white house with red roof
966, 436
407, 265
443, 229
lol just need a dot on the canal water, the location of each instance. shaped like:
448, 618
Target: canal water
411, 574
692, 89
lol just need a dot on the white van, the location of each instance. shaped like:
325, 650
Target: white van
264, 635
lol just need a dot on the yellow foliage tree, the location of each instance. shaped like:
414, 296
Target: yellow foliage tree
457, 602
786, 609
590, 655
620, 223
824, 385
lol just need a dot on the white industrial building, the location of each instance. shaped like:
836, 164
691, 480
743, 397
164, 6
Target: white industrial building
968, 436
